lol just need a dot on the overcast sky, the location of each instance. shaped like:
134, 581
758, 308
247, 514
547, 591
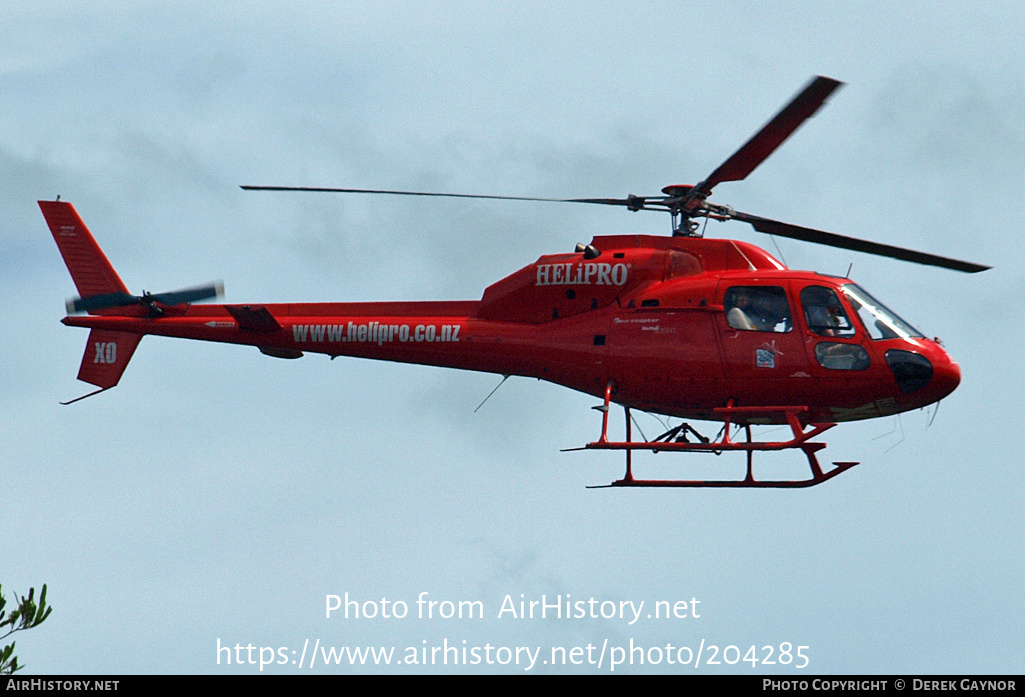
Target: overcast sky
219, 495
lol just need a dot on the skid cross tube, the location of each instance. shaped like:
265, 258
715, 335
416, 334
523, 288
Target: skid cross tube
730, 413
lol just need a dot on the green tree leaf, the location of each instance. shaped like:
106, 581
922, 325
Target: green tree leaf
27, 616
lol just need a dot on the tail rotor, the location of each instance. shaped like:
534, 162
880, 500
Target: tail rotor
155, 303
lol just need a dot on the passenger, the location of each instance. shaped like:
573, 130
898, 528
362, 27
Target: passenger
757, 309
740, 316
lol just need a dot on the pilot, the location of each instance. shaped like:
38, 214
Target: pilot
823, 312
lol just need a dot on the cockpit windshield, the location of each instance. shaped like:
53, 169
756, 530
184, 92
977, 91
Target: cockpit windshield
879, 321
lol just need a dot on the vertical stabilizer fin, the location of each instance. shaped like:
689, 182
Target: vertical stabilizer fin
90, 269
106, 356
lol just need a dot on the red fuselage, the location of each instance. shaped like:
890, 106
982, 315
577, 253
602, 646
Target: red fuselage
654, 317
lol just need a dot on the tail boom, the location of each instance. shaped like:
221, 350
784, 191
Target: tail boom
421, 334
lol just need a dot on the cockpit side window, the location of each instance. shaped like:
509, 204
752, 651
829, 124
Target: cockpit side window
758, 309
824, 313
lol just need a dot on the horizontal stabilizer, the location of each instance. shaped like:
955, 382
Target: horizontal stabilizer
255, 318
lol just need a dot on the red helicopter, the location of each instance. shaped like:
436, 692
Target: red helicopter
682, 326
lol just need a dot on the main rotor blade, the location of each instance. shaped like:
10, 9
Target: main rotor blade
775, 227
190, 295
772, 135
630, 201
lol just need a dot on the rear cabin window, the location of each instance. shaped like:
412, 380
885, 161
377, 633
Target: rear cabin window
758, 309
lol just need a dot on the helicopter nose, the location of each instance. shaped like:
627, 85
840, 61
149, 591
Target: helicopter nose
930, 375
946, 375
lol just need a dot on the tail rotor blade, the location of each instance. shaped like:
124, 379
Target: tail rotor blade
101, 302
189, 295
107, 301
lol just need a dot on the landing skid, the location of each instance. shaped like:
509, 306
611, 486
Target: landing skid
675, 440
